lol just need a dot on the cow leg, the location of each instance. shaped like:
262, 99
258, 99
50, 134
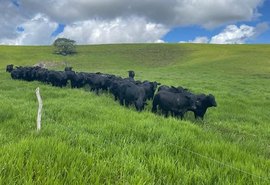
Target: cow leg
121, 101
127, 103
154, 106
195, 115
181, 116
139, 109
166, 113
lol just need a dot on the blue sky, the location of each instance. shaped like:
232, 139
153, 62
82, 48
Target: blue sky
31, 22
186, 33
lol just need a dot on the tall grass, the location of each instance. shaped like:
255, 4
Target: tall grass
90, 139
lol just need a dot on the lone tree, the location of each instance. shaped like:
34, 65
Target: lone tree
64, 46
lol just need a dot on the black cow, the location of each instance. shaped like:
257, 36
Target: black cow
9, 68
176, 103
203, 102
77, 80
71, 76
57, 78
131, 74
42, 75
116, 84
132, 94
17, 73
96, 81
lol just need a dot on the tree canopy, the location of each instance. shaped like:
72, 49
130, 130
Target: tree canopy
64, 46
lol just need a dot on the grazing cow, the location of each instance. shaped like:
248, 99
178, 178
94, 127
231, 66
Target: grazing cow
176, 103
9, 68
131, 74
203, 102
132, 94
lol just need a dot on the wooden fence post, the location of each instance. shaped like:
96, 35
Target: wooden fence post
39, 109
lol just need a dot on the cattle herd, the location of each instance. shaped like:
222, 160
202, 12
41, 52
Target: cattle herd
168, 100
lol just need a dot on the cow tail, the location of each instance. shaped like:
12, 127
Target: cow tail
155, 103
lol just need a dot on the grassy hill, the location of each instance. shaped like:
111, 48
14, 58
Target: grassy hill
90, 139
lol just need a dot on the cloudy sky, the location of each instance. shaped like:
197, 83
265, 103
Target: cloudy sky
40, 22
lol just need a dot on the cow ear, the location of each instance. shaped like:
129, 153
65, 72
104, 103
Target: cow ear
211, 96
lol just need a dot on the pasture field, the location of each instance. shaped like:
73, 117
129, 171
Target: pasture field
90, 139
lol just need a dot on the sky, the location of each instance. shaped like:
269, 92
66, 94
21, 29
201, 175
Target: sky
34, 22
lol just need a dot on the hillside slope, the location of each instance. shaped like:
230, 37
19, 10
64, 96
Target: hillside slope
87, 139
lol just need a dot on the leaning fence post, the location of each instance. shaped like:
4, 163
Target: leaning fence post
39, 109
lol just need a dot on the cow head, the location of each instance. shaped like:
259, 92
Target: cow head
191, 101
139, 104
131, 74
68, 68
211, 101
9, 68
154, 85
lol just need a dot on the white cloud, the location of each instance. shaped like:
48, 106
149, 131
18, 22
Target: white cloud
207, 13
197, 40
238, 35
38, 30
200, 40
111, 21
119, 30
261, 28
9, 20
159, 41
233, 35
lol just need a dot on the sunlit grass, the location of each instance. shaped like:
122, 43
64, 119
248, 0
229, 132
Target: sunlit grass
90, 139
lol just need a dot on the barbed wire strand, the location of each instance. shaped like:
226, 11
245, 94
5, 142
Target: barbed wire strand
222, 163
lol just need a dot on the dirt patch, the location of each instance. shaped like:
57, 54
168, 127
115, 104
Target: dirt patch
51, 64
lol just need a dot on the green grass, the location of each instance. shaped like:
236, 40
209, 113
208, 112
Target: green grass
90, 139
